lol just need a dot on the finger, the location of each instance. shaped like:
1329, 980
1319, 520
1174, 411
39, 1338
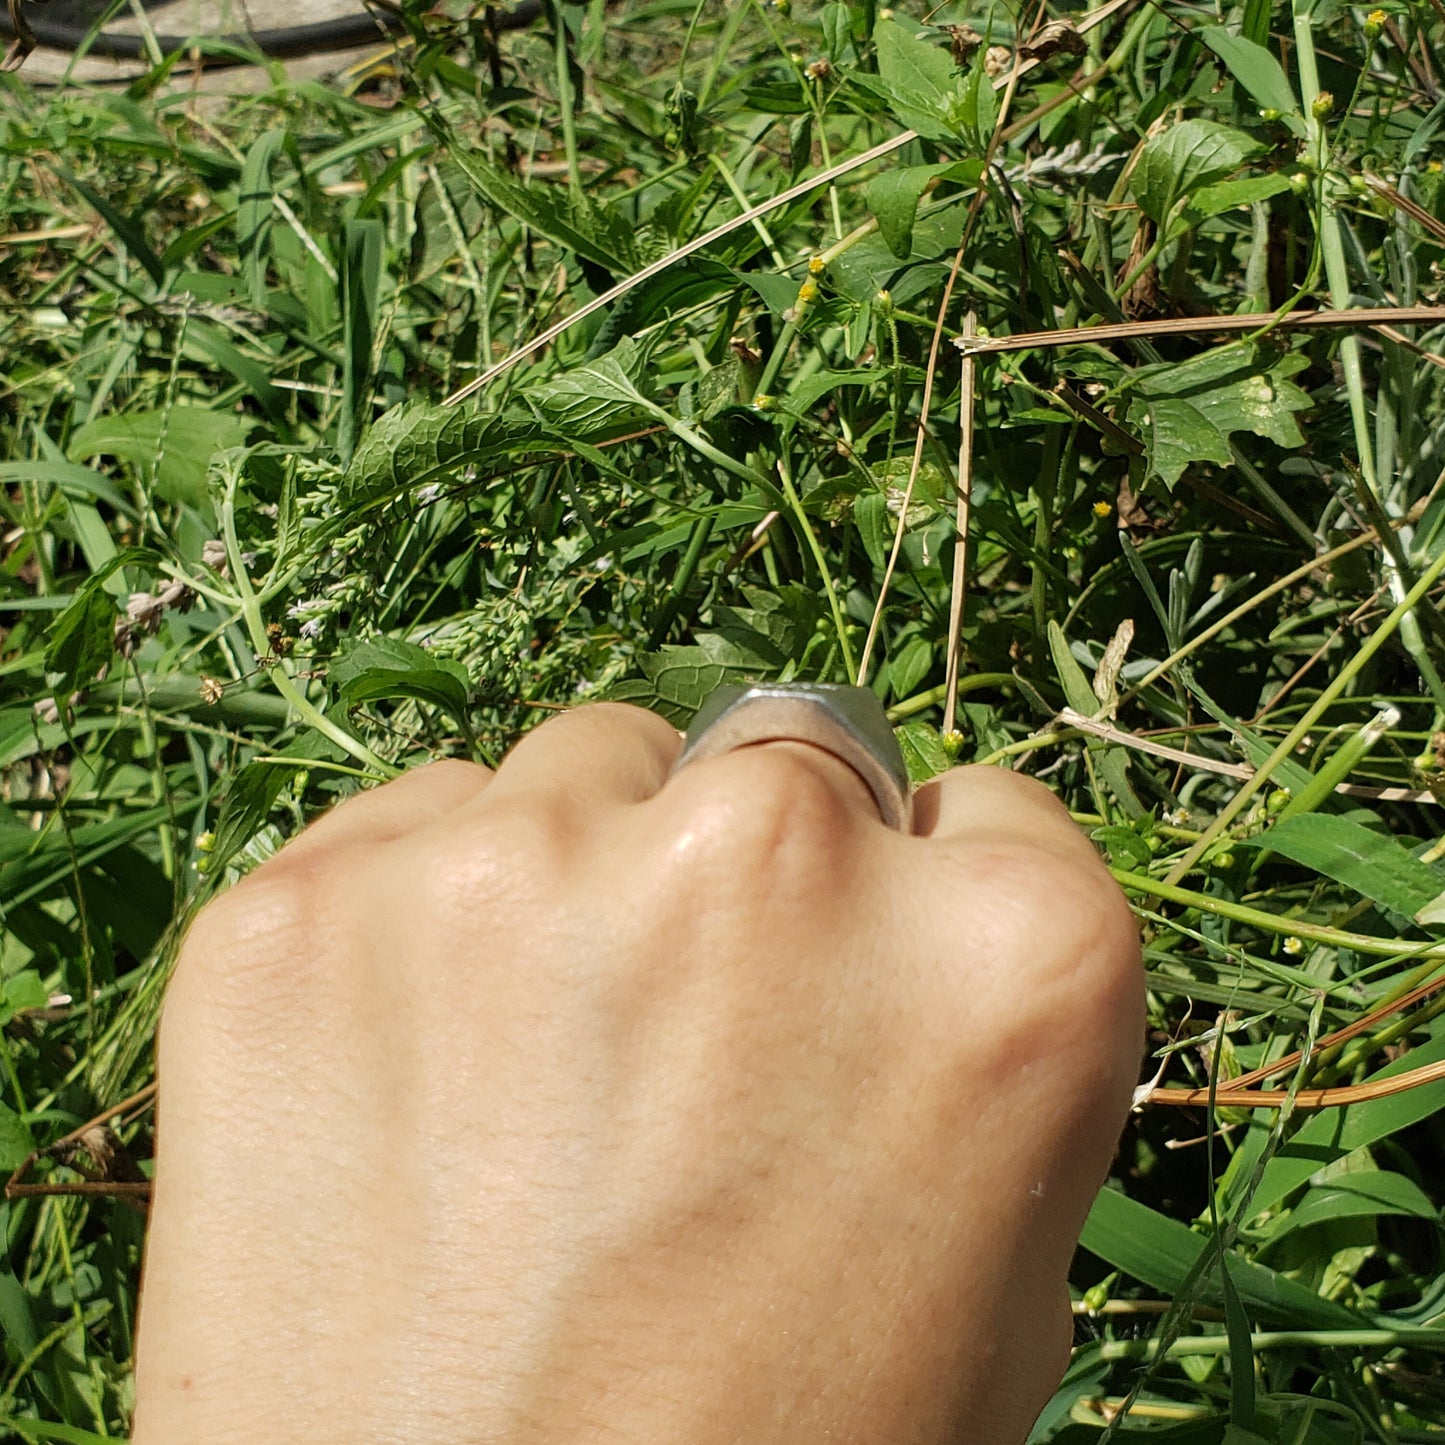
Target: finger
776, 773
395, 809
993, 804
603, 754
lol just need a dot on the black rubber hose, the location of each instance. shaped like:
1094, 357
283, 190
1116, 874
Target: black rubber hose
346, 32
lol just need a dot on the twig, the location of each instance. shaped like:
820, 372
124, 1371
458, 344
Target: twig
967, 403
15, 1188
1355, 316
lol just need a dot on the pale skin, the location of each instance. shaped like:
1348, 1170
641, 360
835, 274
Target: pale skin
581, 1103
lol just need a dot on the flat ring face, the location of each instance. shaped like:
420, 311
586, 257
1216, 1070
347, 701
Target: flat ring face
848, 722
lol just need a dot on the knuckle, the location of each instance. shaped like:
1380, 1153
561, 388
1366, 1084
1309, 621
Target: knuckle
770, 808
251, 939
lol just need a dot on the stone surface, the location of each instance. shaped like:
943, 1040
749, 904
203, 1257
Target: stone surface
188, 17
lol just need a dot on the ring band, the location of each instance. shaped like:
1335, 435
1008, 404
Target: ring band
848, 722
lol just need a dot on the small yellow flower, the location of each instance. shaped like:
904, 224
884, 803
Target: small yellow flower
1102, 509
1294, 946
808, 292
816, 265
1375, 22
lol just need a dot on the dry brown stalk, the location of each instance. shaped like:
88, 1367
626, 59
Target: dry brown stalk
16, 1188
1336, 1098
1359, 316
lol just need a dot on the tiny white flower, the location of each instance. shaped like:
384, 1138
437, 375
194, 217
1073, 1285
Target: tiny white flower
426, 495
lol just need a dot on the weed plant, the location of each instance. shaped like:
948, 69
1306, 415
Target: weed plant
1185, 568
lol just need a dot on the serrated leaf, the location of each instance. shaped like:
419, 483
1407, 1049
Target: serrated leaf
253, 792
916, 77
1228, 391
1255, 69
245, 808
174, 443
574, 222
684, 676
419, 443
1184, 158
82, 640
389, 667
1371, 864
593, 400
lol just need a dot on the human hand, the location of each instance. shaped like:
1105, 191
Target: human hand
564, 1105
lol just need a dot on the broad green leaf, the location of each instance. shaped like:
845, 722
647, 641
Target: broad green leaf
974, 112
1256, 70
909, 666
1333, 1133
684, 676
1374, 865
923, 751
1162, 1253
875, 526
178, 442
812, 389
893, 198
22, 991
16, 1142
1366, 1193
1188, 410
385, 667
1264, 404
1177, 434
420, 443
1078, 692
1187, 156
1225, 196
598, 398
48, 1431
917, 79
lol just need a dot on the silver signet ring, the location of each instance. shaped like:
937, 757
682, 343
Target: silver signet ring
848, 722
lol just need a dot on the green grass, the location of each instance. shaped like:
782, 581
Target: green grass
227, 336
